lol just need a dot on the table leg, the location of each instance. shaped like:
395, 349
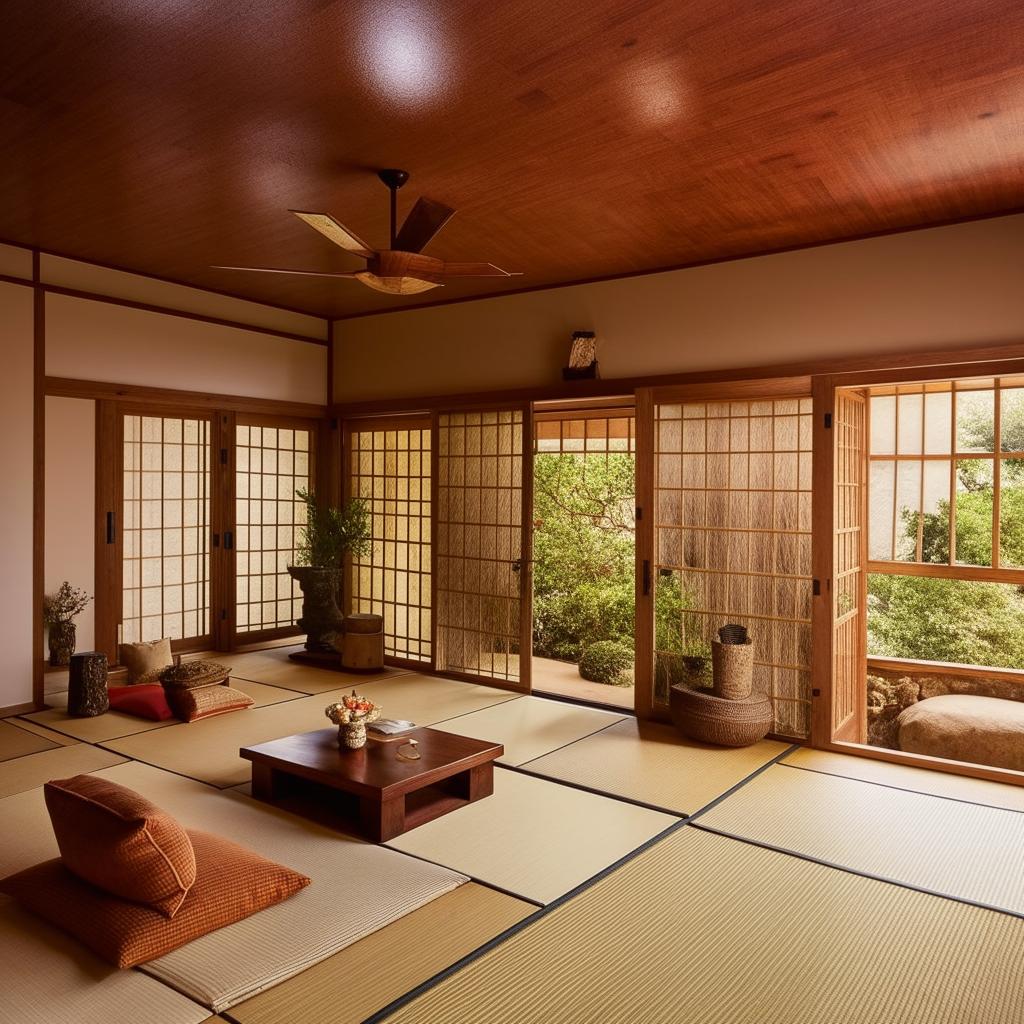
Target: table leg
476, 783
382, 819
264, 780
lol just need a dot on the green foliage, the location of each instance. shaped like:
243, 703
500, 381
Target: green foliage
945, 620
607, 661
583, 552
64, 605
974, 528
330, 532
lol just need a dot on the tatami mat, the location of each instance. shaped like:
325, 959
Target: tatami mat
360, 980
274, 666
534, 838
49, 978
15, 742
652, 764
531, 726
208, 750
965, 851
114, 724
357, 887
700, 929
33, 770
56, 738
902, 776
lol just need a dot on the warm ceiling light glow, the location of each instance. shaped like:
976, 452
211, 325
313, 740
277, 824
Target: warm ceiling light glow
404, 53
656, 93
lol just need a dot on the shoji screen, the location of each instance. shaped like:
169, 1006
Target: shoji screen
390, 470
732, 540
482, 555
272, 463
165, 528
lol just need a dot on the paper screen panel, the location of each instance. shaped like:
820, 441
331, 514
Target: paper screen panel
479, 543
733, 542
272, 463
390, 470
165, 531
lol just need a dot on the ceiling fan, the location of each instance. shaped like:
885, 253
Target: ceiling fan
401, 269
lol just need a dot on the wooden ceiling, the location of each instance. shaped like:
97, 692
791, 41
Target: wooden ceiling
577, 139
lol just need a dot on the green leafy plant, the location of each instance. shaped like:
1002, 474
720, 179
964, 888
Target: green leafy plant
330, 532
607, 661
65, 605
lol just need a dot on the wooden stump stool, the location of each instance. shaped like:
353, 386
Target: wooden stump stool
363, 645
87, 684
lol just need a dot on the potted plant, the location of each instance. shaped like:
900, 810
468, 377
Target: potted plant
59, 613
328, 535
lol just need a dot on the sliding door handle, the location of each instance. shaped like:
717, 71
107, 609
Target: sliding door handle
229, 540
110, 527
646, 577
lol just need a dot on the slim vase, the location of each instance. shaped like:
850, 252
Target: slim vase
62, 640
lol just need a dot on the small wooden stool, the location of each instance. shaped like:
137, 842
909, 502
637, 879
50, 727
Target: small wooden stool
363, 645
87, 684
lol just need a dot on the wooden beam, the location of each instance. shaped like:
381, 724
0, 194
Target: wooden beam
936, 570
38, 480
66, 387
918, 667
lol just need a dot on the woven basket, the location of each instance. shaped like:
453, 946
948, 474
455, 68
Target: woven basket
733, 633
702, 716
732, 669
192, 675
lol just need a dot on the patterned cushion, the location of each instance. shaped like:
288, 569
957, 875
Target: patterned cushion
190, 675
232, 883
141, 700
192, 705
112, 837
141, 660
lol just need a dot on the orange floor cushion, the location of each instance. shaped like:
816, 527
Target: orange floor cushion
192, 705
116, 839
231, 884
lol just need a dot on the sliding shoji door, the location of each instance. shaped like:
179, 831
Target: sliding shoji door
389, 464
274, 459
482, 553
162, 536
725, 536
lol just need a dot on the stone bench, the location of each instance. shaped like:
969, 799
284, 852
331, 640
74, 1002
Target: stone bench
965, 727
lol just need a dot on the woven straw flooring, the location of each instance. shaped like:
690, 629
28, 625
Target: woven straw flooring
534, 838
15, 742
965, 851
654, 765
901, 776
529, 727
394, 960
32, 770
704, 930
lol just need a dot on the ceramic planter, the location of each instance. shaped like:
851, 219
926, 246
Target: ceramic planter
62, 639
321, 620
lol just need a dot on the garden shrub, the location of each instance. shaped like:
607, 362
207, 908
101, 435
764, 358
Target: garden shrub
607, 661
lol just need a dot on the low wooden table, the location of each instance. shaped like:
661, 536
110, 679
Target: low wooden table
372, 791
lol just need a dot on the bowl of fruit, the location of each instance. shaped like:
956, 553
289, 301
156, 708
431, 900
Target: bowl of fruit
351, 715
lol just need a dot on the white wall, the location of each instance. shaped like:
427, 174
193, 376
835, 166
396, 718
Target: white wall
940, 287
16, 471
70, 494
88, 340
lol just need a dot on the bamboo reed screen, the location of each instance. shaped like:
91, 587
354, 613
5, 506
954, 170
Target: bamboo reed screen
849, 643
165, 530
390, 470
479, 542
733, 541
271, 464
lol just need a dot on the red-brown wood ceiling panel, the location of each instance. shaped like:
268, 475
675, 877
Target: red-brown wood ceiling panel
577, 140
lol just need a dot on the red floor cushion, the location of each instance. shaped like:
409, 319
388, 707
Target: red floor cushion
231, 883
144, 700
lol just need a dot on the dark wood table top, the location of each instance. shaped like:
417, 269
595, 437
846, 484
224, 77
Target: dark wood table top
375, 768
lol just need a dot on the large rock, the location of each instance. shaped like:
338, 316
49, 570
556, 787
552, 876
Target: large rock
964, 727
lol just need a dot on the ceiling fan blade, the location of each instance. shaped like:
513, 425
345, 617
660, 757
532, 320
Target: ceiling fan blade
304, 273
337, 233
476, 270
425, 219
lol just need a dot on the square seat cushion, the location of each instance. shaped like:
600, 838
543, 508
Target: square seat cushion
116, 839
146, 700
192, 705
231, 884
145, 661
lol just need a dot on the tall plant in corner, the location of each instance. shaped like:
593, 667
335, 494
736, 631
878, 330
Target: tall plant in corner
329, 534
